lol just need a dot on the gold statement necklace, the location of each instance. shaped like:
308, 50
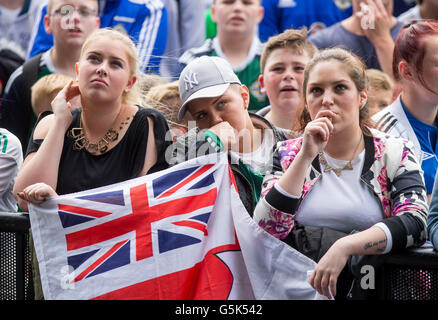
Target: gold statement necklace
81, 141
337, 171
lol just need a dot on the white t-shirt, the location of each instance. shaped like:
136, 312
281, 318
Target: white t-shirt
11, 159
253, 51
260, 160
17, 25
342, 203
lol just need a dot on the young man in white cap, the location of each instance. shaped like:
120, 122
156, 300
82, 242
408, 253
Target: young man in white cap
217, 101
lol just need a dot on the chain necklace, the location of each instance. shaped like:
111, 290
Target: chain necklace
81, 141
337, 171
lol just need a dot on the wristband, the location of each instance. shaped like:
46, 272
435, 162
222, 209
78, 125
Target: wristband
214, 140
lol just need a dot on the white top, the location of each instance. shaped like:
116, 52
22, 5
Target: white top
18, 28
11, 159
342, 203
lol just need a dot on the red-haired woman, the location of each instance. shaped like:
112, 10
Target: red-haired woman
413, 115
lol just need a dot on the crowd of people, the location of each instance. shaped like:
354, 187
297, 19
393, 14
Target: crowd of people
327, 110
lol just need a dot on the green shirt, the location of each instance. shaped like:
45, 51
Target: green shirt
254, 179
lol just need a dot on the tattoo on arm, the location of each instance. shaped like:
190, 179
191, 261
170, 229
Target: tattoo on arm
381, 245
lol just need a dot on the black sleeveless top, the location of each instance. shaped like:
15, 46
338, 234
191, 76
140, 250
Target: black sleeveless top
80, 170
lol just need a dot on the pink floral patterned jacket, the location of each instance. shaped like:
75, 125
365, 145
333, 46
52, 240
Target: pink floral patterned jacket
391, 172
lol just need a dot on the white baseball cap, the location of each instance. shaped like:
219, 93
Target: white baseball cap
204, 77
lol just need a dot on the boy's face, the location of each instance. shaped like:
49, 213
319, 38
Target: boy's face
282, 78
236, 16
231, 107
71, 21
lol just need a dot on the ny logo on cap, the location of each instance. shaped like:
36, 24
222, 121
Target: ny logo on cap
190, 80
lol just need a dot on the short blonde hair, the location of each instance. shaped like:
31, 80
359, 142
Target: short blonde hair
166, 99
133, 95
46, 89
148, 80
290, 38
379, 80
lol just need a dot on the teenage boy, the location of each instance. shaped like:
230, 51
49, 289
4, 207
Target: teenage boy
282, 65
69, 33
237, 42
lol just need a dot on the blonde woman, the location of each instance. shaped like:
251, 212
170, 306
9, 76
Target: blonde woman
108, 140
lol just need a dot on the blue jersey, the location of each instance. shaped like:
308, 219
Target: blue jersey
313, 14
145, 21
427, 136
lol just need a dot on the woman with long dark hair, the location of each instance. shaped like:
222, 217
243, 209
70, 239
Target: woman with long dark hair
343, 175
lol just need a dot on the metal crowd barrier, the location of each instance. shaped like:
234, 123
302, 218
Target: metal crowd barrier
408, 275
15, 262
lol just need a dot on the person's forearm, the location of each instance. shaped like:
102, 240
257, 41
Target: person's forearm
292, 180
325, 276
384, 49
370, 241
44, 164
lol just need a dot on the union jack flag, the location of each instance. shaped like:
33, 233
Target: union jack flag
186, 195
181, 233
